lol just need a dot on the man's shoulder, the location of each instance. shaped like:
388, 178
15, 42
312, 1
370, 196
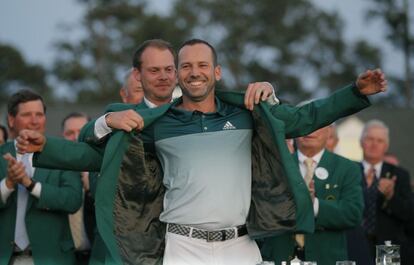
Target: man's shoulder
343, 160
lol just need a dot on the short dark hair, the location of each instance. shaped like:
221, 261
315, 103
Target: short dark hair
155, 43
74, 115
22, 96
5, 133
192, 42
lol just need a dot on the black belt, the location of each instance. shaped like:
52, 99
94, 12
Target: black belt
27, 252
209, 236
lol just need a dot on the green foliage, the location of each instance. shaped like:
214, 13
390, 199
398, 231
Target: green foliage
16, 73
395, 15
292, 44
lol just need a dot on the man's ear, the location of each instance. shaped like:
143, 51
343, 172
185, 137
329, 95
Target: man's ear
137, 74
123, 94
10, 121
217, 72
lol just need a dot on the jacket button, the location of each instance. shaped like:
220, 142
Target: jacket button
12, 243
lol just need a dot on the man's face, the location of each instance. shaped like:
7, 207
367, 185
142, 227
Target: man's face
197, 75
30, 115
72, 128
315, 141
133, 93
375, 144
158, 75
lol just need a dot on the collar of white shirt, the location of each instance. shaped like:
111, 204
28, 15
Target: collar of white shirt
377, 167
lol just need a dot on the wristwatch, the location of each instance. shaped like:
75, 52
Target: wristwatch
31, 186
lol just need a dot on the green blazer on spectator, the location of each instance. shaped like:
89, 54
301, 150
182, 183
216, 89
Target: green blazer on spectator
341, 206
129, 195
46, 218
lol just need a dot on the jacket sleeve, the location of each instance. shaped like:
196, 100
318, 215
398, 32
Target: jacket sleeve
63, 154
346, 211
303, 120
87, 133
66, 196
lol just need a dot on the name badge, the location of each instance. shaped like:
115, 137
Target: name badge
321, 173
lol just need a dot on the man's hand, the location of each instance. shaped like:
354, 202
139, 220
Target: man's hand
126, 120
30, 141
256, 92
371, 82
386, 187
16, 172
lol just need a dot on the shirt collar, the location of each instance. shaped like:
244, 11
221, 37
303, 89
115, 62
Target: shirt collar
221, 109
377, 167
150, 104
316, 158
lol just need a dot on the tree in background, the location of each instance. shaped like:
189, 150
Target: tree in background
293, 44
16, 73
94, 67
395, 14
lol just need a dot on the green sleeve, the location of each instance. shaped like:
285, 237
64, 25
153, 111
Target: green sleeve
63, 154
303, 120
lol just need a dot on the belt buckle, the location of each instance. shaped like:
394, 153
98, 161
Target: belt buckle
210, 236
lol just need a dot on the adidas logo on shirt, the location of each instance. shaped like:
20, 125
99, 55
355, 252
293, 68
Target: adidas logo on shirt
228, 126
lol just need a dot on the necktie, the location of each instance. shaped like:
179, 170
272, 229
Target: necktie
78, 230
309, 170
370, 192
20, 235
300, 238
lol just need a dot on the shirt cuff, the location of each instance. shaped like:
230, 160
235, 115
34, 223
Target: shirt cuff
316, 206
37, 190
273, 100
4, 191
101, 129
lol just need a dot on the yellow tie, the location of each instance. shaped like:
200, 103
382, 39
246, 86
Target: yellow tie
300, 238
309, 170
369, 177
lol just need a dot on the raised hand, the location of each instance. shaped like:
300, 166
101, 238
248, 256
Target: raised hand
256, 92
16, 172
371, 82
126, 120
30, 141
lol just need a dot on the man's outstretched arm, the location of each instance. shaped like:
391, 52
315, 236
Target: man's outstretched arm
58, 153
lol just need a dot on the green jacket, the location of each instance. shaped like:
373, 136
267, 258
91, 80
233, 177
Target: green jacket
341, 206
46, 218
129, 194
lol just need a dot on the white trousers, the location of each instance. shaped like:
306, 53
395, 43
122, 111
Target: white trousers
182, 250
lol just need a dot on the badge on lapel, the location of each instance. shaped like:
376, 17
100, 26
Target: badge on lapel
321, 173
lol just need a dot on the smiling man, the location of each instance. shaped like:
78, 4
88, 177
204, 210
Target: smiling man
213, 166
34, 202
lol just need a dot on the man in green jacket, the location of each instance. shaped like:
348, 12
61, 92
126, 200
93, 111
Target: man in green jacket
35, 202
130, 193
334, 186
